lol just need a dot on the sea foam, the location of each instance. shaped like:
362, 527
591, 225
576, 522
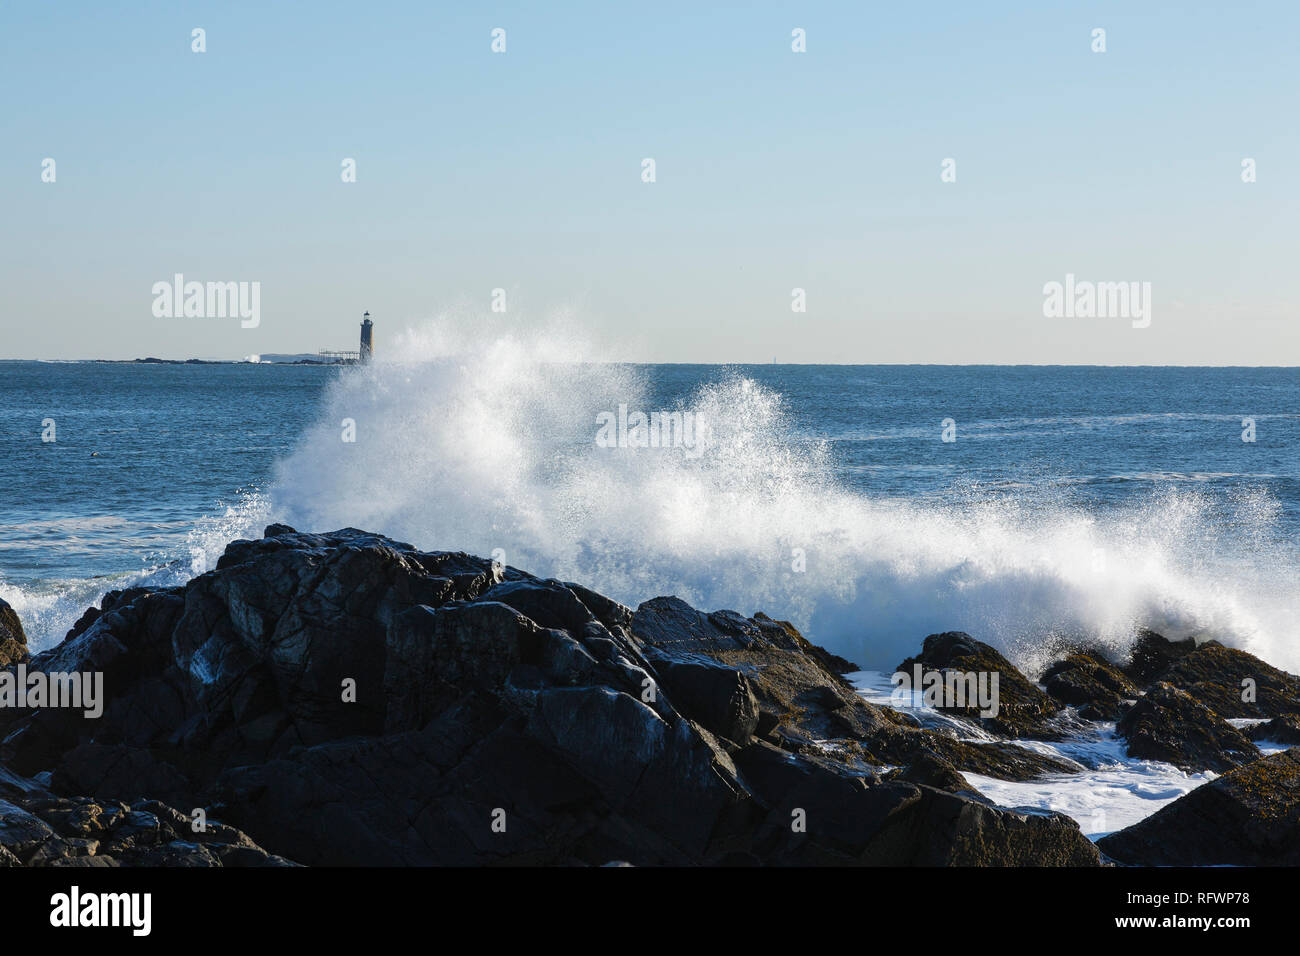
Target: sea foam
468, 438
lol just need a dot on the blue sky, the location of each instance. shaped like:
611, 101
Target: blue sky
775, 170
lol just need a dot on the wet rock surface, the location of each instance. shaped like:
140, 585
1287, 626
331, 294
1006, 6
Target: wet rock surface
1153, 654
38, 828
1173, 700
13, 642
1023, 710
1087, 681
1279, 730
1188, 694
1233, 683
349, 699
1248, 817
1170, 725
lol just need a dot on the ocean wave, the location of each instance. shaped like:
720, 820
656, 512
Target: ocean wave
49, 607
485, 442
481, 443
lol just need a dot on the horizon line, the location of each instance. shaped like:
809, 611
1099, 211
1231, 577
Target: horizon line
154, 359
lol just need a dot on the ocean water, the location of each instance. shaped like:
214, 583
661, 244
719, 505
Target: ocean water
1106, 791
1074, 502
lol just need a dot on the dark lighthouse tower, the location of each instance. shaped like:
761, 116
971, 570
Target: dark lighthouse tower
367, 339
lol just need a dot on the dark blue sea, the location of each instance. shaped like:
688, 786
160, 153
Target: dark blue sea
1070, 501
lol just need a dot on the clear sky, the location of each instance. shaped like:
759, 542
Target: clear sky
775, 170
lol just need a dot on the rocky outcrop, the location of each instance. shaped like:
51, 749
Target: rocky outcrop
348, 699
1023, 710
40, 829
1279, 730
933, 771
1248, 817
1087, 681
895, 823
1229, 681
1154, 654
1169, 725
1233, 683
13, 642
802, 699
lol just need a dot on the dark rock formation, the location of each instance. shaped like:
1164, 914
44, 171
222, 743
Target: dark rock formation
1153, 654
1023, 709
1248, 817
13, 642
1230, 682
348, 699
1168, 724
1087, 681
1233, 683
896, 823
1279, 730
39, 829
932, 771
802, 699
1002, 759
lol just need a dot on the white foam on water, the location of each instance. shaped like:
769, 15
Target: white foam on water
1109, 792
48, 608
1101, 801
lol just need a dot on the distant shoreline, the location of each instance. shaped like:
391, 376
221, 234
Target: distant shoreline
286, 360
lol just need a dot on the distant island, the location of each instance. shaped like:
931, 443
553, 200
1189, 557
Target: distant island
301, 358
359, 356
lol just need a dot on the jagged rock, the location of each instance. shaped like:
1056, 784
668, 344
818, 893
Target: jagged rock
717, 697
1087, 681
60, 850
109, 602
1153, 654
81, 831
246, 856
180, 853
98, 861
932, 771
848, 820
798, 696
1170, 725
832, 663
1248, 817
945, 829
21, 832
1279, 730
347, 699
1233, 683
17, 787
1023, 709
13, 642
802, 699
80, 818
1000, 759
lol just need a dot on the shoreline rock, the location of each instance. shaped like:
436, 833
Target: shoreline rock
1281, 730
1234, 683
1170, 725
348, 699
1248, 817
1024, 711
1093, 685
13, 642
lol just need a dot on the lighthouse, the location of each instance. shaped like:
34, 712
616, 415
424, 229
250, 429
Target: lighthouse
367, 339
